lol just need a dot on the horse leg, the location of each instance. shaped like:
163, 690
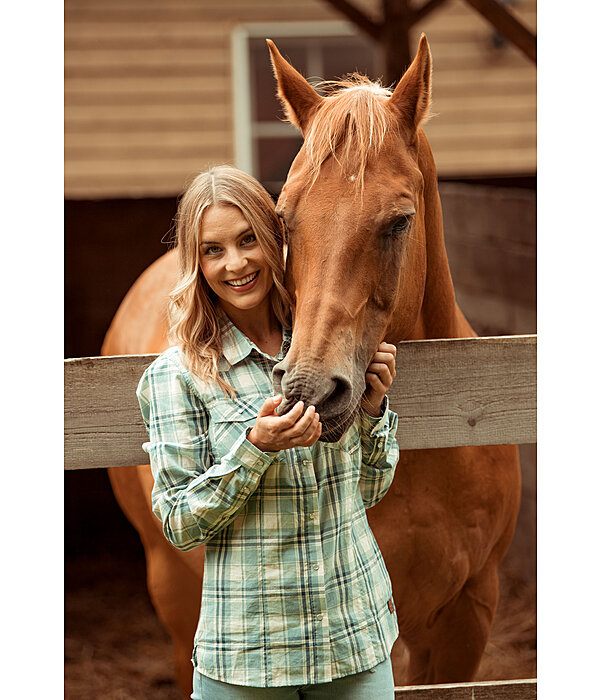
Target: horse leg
175, 592
173, 578
458, 635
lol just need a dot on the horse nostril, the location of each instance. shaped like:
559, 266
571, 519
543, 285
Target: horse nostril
279, 379
340, 397
278, 373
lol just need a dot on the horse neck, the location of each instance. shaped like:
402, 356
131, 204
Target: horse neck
439, 316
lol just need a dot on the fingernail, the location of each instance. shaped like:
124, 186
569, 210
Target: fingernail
277, 397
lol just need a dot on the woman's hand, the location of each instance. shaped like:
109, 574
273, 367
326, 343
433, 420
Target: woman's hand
379, 377
272, 432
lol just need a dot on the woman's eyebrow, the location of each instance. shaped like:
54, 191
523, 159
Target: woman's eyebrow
241, 233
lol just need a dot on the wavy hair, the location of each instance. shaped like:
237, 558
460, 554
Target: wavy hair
194, 322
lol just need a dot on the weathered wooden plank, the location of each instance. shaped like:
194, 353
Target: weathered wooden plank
164, 139
143, 185
488, 690
465, 392
491, 162
146, 150
473, 391
204, 82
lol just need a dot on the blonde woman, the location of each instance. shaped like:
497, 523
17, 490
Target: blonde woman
296, 600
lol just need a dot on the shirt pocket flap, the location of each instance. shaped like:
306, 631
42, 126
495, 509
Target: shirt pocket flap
236, 410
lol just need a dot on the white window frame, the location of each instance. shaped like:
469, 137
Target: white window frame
246, 132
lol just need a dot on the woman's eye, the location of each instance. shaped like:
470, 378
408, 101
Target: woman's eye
249, 239
400, 225
212, 250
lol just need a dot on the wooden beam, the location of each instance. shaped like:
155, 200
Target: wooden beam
488, 690
447, 393
421, 12
396, 39
508, 25
351, 12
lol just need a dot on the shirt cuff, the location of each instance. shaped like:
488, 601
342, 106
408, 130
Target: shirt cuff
375, 426
248, 455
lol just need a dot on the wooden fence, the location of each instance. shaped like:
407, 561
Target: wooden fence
447, 393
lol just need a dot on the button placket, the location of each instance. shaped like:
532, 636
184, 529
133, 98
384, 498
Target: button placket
315, 565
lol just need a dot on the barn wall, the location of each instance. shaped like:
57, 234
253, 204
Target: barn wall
148, 90
490, 237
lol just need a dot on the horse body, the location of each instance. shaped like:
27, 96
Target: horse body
174, 578
358, 273
372, 210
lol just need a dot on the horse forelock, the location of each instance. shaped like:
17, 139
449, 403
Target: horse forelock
350, 126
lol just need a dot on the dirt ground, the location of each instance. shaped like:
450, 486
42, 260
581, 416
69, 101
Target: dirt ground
116, 648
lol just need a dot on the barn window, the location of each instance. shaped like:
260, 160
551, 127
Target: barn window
264, 145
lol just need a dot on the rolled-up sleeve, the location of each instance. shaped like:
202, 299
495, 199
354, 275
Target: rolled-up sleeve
194, 495
380, 454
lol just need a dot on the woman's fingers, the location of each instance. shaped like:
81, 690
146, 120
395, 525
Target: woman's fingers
381, 372
289, 419
385, 359
314, 437
269, 406
305, 426
387, 347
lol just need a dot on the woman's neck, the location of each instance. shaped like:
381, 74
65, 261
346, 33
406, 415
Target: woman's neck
259, 324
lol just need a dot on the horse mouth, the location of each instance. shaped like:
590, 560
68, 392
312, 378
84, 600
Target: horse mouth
335, 428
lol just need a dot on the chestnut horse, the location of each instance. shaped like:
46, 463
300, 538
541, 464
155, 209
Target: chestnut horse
366, 261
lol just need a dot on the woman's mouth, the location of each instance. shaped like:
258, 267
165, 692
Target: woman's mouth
243, 283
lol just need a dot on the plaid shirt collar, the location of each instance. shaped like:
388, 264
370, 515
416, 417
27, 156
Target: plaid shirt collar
236, 346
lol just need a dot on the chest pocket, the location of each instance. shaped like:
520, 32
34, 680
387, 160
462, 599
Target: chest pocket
229, 418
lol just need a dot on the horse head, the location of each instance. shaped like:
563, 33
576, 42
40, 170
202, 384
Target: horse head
353, 207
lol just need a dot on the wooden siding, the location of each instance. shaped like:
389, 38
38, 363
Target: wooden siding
148, 90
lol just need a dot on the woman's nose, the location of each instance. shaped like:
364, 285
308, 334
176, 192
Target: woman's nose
235, 261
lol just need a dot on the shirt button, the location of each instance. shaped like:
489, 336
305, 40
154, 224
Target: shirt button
240, 410
311, 516
316, 567
259, 463
319, 617
304, 462
245, 489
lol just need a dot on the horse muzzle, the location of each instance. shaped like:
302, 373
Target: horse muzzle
331, 393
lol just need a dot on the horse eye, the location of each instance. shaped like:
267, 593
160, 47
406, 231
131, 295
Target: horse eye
400, 225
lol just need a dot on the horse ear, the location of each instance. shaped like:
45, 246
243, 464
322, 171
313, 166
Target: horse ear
412, 96
298, 97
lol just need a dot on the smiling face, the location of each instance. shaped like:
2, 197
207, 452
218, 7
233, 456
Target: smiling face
232, 261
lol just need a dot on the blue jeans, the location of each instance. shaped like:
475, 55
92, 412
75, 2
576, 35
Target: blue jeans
374, 684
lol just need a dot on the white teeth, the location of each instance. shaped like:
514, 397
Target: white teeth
243, 281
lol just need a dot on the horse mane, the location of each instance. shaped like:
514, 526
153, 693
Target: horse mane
350, 125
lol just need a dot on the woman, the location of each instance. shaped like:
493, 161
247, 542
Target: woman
296, 600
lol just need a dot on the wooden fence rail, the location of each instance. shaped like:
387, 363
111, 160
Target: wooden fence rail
489, 690
447, 393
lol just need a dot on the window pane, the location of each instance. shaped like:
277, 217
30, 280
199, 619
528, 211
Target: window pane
265, 104
274, 159
343, 55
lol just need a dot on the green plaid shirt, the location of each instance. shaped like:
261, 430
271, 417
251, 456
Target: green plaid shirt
295, 588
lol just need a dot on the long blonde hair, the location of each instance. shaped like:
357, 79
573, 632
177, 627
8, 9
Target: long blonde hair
194, 323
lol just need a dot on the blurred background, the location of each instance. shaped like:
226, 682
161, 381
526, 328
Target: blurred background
157, 91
